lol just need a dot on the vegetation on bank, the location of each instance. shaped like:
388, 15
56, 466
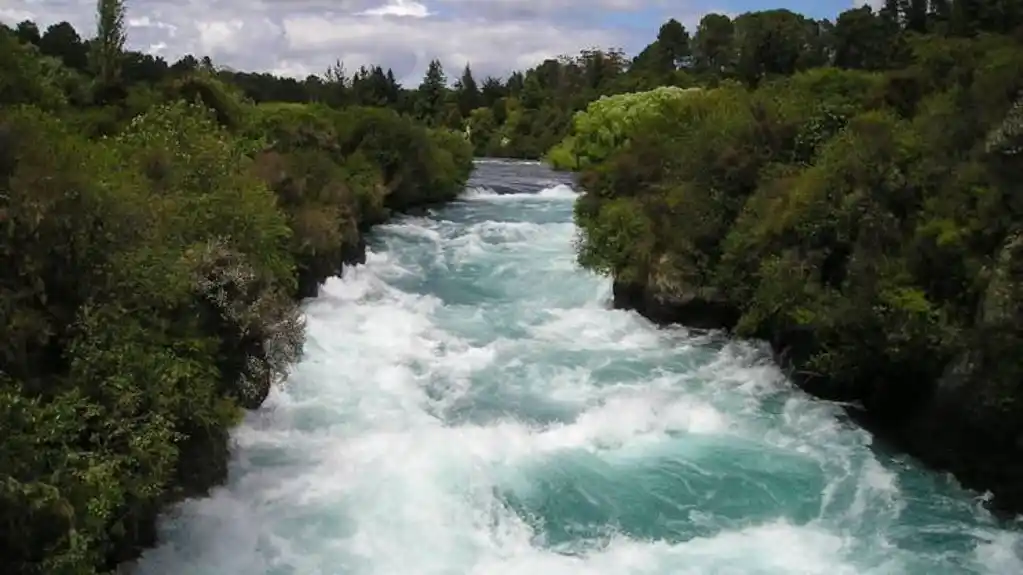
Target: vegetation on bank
156, 230
859, 207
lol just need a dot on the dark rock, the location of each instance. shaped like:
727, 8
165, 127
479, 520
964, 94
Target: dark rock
972, 422
972, 430
354, 253
308, 284
697, 311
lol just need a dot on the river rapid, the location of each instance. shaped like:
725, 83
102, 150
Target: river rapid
468, 404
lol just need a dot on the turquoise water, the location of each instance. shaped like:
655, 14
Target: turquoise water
468, 404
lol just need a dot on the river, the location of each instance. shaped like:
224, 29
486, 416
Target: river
469, 405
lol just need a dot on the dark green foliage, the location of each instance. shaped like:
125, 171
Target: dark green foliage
156, 230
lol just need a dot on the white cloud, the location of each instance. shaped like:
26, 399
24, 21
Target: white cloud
300, 37
399, 8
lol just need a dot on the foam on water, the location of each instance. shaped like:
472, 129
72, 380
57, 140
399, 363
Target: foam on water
557, 191
469, 405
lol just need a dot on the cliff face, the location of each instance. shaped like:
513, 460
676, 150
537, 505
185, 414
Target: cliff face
972, 421
968, 421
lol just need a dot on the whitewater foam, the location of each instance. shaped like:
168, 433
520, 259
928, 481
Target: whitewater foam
555, 192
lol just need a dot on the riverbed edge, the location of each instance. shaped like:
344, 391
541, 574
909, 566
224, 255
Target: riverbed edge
937, 431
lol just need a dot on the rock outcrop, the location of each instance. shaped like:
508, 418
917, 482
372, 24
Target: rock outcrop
972, 422
669, 295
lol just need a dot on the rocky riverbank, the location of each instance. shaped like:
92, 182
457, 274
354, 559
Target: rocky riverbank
966, 421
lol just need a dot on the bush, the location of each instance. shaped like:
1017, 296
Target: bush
337, 171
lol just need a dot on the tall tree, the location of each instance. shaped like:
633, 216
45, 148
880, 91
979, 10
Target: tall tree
468, 92
492, 91
27, 32
108, 48
61, 40
940, 10
771, 42
713, 43
432, 94
335, 84
393, 88
674, 41
861, 40
916, 15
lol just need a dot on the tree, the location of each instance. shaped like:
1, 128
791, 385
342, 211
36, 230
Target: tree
62, 41
492, 91
712, 46
514, 83
27, 32
916, 15
393, 88
861, 40
432, 94
108, 48
185, 64
770, 42
673, 38
468, 93
335, 84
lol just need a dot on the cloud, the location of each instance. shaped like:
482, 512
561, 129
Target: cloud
408, 8
300, 37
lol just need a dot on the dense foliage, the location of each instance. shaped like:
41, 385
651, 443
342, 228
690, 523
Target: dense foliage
859, 206
156, 230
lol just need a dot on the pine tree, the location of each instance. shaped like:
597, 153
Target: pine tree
916, 15
336, 84
674, 41
393, 89
468, 93
431, 94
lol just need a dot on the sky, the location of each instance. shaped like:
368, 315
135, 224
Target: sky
301, 37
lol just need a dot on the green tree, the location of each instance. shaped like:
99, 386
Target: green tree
61, 40
432, 95
467, 93
27, 32
712, 45
674, 40
107, 50
771, 42
862, 40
